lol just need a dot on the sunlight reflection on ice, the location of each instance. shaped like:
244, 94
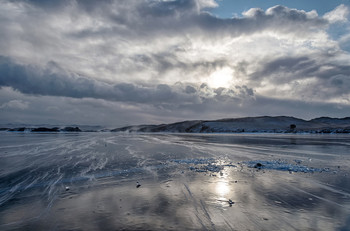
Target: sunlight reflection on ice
222, 188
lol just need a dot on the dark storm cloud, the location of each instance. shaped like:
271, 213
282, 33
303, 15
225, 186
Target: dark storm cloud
302, 67
58, 110
329, 79
32, 80
261, 106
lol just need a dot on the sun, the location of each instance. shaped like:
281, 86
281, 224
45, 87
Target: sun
220, 78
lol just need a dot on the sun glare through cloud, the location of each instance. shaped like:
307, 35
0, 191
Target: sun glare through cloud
221, 78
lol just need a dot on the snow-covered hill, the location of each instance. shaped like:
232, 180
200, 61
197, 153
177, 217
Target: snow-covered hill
277, 124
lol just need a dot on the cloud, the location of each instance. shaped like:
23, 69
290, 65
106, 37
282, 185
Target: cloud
66, 110
33, 80
312, 78
15, 104
172, 56
339, 14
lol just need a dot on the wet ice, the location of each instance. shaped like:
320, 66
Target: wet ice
81, 181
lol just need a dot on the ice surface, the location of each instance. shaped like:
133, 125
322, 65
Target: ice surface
88, 181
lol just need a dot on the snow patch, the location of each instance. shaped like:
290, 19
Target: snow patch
282, 165
204, 165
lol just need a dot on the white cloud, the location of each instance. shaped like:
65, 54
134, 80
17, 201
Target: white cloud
339, 14
207, 3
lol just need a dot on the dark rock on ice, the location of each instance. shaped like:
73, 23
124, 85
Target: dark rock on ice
258, 165
230, 202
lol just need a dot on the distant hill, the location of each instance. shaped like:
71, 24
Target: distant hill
268, 124
41, 129
262, 124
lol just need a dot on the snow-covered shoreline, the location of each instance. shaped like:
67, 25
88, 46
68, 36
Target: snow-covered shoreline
264, 124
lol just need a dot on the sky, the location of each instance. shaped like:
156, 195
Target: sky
124, 62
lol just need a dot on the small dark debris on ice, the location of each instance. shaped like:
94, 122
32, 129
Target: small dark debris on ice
230, 202
258, 165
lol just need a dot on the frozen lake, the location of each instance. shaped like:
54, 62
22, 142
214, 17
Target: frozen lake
111, 181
